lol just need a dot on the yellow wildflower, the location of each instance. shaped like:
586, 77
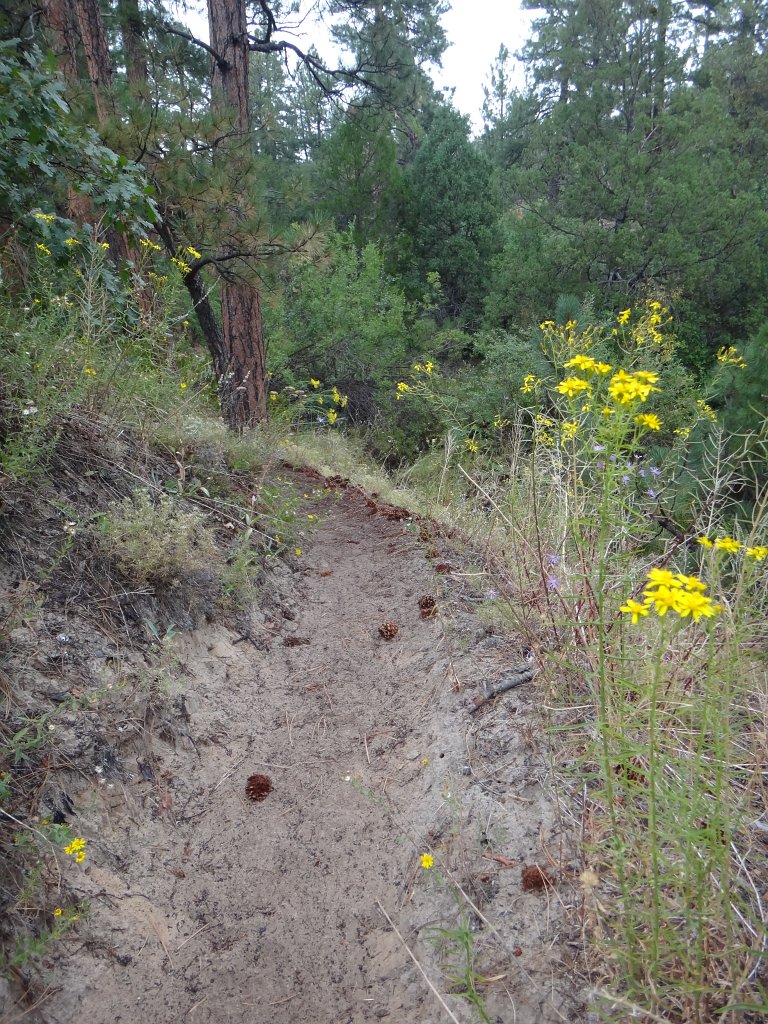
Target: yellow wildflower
183, 385
48, 218
427, 860
662, 599
649, 420
690, 582
624, 316
344, 400
635, 609
572, 386
471, 445
731, 356
315, 383
429, 366
646, 376
71, 242
727, 544
336, 395
705, 542
58, 912
530, 383
43, 249
297, 552
657, 577
402, 387
193, 253
273, 396
695, 604
758, 553
706, 410
332, 415
569, 429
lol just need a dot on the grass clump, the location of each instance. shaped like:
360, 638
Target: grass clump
158, 541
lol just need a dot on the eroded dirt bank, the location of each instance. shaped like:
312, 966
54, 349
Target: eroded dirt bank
210, 908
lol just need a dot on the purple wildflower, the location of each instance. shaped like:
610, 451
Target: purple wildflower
553, 582
655, 471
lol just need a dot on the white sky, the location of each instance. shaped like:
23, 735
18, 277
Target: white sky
475, 30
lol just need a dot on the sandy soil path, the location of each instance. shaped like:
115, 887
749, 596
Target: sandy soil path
209, 908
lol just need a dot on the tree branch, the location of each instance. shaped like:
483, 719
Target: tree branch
223, 64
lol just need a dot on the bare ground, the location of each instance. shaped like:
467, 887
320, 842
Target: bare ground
312, 905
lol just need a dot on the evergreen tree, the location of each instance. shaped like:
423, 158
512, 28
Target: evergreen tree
636, 180
450, 214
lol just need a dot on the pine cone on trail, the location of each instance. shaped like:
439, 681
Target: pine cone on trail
388, 630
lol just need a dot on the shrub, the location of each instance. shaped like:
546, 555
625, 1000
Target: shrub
160, 542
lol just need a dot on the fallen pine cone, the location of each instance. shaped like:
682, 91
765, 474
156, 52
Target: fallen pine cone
388, 630
258, 788
534, 879
427, 601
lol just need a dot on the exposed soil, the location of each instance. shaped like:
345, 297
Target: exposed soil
215, 900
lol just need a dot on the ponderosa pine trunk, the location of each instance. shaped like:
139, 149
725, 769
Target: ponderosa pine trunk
241, 363
97, 58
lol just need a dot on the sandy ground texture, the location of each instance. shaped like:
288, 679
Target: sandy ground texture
311, 904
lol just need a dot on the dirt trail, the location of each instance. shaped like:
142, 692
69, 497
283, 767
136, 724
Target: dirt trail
209, 908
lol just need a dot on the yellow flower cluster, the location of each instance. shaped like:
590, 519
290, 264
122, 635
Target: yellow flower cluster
569, 429
730, 356
427, 860
530, 383
733, 546
649, 420
672, 591
427, 367
573, 386
471, 445
632, 387
43, 249
587, 365
47, 218
182, 264
543, 427
145, 243
705, 410
76, 849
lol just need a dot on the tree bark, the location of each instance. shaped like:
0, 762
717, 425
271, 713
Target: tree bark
229, 74
132, 31
240, 364
97, 57
242, 387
